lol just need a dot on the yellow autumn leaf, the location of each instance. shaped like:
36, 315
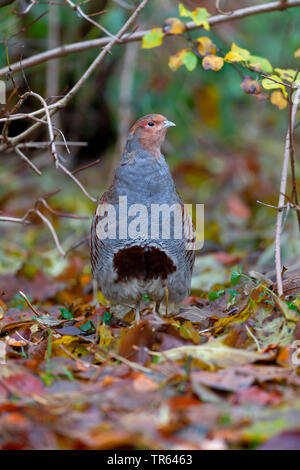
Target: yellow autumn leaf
199, 15
286, 74
176, 60
205, 46
105, 335
153, 38
297, 53
173, 26
237, 54
270, 84
212, 62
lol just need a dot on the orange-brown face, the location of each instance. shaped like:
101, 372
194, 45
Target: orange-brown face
151, 131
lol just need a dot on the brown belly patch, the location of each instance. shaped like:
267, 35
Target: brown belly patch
144, 263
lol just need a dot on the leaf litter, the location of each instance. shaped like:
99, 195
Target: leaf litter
87, 377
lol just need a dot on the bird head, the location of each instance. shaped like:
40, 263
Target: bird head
150, 132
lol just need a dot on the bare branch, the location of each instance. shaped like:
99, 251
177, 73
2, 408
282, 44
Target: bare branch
46, 144
80, 185
86, 17
35, 210
137, 36
23, 156
283, 185
85, 167
52, 109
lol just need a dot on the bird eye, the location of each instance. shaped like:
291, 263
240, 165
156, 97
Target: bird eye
151, 123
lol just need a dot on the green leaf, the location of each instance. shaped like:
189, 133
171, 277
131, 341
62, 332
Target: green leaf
199, 15
107, 318
184, 11
215, 294
260, 64
86, 326
153, 38
235, 276
269, 84
189, 59
68, 373
66, 314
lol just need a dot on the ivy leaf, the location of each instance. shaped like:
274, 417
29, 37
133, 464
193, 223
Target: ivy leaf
235, 276
66, 314
204, 46
237, 54
260, 64
173, 26
107, 318
189, 59
86, 326
212, 62
153, 38
278, 99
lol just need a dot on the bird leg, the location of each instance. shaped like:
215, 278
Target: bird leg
138, 313
156, 312
167, 301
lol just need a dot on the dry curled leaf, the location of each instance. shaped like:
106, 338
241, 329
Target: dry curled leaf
212, 62
278, 99
173, 26
214, 354
176, 60
204, 46
250, 86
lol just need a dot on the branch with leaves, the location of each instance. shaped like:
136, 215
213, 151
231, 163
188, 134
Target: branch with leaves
81, 46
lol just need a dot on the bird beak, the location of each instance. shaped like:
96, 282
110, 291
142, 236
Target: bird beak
169, 124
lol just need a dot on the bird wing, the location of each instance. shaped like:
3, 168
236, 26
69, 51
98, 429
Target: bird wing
98, 223
190, 238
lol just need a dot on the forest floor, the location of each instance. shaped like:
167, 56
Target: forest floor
220, 372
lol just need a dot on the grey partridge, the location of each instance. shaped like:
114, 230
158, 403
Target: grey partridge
138, 258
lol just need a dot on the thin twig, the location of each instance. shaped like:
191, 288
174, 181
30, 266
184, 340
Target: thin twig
85, 167
81, 13
80, 185
52, 109
283, 185
23, 156
29, 303
219, 10
292, 151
